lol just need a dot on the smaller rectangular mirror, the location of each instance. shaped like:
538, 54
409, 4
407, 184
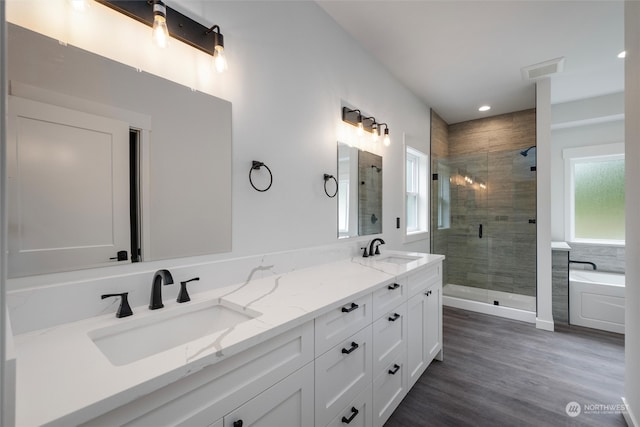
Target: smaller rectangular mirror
359, 192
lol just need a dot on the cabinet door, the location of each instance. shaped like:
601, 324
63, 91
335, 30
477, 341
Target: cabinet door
388, 391
358, 413
288, 403
388, 297
433, 327
341, 374
341, 322
389, 338
416, 329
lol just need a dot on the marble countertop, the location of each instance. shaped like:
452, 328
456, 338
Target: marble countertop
64, 379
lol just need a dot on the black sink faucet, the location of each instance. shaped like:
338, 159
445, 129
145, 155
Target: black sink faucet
373, 245
156, 290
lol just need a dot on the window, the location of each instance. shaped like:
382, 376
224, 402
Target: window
595, 194
416, 191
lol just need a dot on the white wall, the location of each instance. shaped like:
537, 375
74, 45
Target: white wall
632, 169
290, 69
592, 121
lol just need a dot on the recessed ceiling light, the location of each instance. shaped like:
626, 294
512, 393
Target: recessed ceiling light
622, 54
484, 108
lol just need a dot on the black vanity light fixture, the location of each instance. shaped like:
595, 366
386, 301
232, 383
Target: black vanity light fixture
166, 22
365, 124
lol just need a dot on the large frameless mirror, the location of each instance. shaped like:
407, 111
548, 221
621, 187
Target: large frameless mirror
359, 192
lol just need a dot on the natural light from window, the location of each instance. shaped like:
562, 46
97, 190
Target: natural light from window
596, 194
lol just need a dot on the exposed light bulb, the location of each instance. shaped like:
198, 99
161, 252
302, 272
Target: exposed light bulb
386, 141
160, 30
219, 59
360, 126
375, 133
79, 5
622, 54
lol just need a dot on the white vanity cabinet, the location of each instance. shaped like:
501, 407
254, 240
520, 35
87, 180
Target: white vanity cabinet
424, 313
206, 396
351, 365
288, 403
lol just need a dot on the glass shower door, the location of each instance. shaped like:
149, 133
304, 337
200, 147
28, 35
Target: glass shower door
459, 224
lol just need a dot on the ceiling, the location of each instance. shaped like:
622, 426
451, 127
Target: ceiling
459, 55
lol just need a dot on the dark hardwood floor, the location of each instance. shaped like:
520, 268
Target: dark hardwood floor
500, 372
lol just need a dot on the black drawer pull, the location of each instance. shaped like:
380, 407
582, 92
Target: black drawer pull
427, 293
354, 345
354, 413
395, 369
392, 287
237, 423
352, 307
394, 317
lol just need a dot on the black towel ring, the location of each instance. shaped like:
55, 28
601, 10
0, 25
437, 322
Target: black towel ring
256, 165
327, 177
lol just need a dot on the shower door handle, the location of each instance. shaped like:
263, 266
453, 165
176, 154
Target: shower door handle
480, 231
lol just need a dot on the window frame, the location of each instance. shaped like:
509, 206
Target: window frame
573, 156
421, 194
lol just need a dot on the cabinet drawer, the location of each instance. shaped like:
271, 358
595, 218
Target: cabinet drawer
210, 393
389, 338
420, 280
358, 412
388, 391
341, 374
389, 296
288, 403
342, 322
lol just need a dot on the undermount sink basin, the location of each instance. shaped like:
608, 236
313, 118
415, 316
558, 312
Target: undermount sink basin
397, 259
136, 339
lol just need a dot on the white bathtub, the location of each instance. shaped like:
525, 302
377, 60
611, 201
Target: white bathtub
596, 300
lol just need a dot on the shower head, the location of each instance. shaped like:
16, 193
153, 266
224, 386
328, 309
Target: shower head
526, 152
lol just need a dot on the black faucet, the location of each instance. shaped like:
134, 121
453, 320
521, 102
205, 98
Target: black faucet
584, 262
156, 290
377, 249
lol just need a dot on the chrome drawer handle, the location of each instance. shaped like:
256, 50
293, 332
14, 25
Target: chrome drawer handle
354, 345
395, 369
349, 309
354, 412
392, 287
394, 317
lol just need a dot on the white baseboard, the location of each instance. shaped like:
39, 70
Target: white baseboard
629, 418
495, 310
545, 325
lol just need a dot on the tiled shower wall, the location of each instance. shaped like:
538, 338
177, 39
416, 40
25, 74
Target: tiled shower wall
487, 152
607, 258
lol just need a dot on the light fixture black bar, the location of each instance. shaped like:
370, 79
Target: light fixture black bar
180, 27
354, 116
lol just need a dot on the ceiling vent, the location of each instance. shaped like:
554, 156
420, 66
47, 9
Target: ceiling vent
543, 69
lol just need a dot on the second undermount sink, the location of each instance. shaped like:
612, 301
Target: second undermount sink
135, 339
397, 259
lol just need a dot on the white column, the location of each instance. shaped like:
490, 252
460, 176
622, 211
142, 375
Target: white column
632, 196
544, 317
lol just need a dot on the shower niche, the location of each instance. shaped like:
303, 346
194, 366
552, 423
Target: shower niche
483, 202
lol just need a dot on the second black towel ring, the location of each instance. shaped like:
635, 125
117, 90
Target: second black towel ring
256, 165
327, 177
